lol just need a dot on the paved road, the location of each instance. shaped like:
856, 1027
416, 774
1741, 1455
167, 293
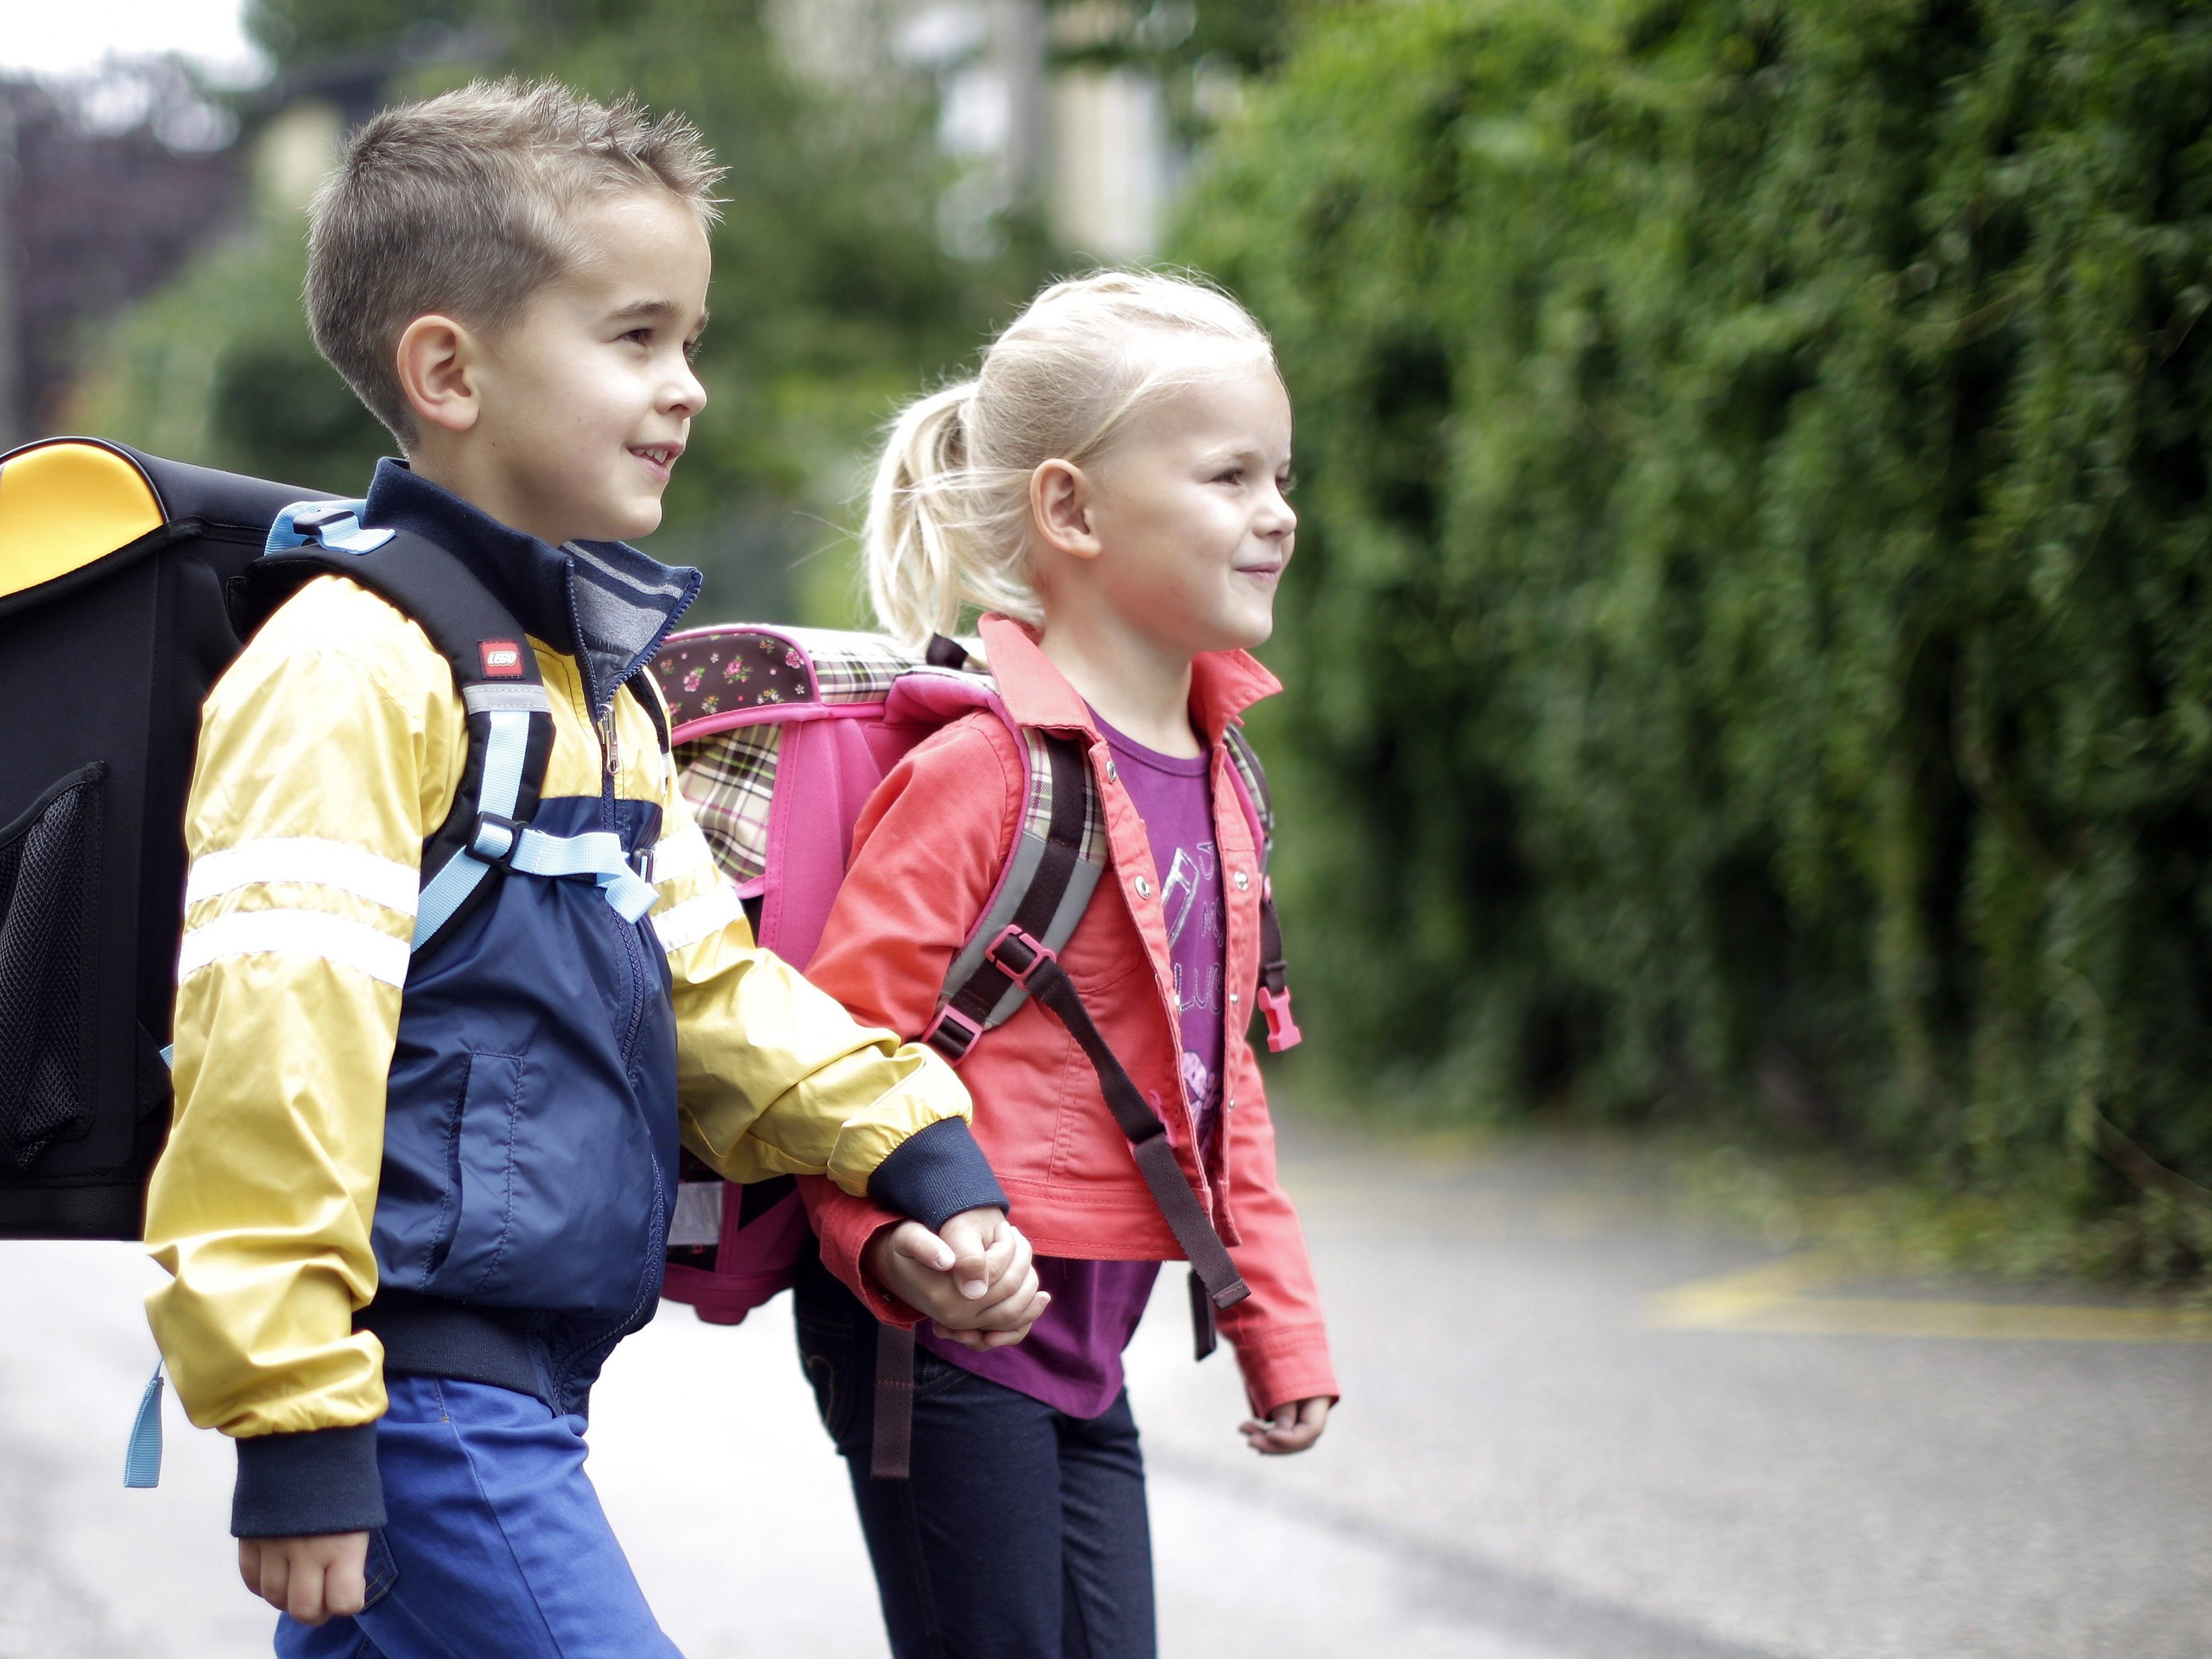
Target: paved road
1531, 1464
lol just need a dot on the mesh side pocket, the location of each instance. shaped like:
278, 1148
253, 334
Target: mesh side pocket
49, 890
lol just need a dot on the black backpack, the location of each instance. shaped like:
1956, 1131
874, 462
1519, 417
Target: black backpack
127, 585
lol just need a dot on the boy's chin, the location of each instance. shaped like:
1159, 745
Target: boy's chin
627, 522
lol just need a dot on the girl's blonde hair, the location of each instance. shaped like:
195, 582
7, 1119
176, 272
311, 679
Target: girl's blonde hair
948, 517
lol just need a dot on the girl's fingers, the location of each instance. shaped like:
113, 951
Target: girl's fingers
917, 1243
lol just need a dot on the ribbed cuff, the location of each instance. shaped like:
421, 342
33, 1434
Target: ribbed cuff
935, 1174
319, 1481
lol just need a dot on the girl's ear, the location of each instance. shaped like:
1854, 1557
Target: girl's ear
1060, 507
436, 362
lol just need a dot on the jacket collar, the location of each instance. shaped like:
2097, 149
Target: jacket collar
1223, 683
602, 603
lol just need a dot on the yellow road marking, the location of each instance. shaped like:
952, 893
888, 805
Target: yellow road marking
1779, 1298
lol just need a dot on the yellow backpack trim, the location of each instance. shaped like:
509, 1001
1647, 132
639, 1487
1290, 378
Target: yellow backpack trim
66, 504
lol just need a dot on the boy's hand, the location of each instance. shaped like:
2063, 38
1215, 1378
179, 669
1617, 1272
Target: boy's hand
1289, 1428
315, 1578
976, 1282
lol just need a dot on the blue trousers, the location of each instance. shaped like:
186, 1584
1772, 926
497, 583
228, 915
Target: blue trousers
1022, 1534
495, 1543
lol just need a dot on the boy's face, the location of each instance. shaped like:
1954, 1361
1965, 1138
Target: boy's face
585, 400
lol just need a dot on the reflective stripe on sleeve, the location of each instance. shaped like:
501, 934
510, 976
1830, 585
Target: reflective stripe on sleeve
697, 918
681, 856
310, 933
320, 863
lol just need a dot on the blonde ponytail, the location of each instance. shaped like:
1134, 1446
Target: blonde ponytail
948, 515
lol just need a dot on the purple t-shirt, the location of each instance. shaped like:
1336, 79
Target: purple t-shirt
1072, 1360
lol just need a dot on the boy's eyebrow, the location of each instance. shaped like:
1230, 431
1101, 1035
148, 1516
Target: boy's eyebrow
651, 311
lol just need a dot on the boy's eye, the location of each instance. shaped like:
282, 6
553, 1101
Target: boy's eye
1287, 482
1232, 475
639, 336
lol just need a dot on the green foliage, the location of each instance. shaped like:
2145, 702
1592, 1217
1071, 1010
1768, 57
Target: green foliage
832, 299
1749, 643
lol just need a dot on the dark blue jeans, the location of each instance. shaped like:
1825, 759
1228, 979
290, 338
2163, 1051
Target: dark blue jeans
1022, 1533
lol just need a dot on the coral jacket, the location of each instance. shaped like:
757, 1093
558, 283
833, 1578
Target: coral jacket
926, 854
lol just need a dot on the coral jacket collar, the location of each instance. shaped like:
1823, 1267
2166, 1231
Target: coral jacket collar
1223, 683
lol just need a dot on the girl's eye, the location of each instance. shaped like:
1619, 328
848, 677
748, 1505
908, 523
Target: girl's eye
1234, 474
1287, 482
639, 336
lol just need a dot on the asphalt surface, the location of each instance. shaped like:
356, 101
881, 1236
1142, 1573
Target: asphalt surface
1535, 1459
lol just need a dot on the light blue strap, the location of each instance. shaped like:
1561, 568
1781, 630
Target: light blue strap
334, 525
597, 853
142, 1459
509, 746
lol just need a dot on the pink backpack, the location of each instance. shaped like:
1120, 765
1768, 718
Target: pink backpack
782, 734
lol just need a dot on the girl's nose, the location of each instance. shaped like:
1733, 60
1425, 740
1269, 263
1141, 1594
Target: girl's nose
687, 394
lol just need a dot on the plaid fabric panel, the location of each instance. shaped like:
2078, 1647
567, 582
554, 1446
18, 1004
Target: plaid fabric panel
730, 780
850, 667
1036, 815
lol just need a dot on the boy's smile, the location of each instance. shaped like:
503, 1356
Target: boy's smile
567, 422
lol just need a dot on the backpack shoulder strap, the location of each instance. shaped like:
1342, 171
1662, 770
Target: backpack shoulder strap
509, 715
1058, 856
1275, 973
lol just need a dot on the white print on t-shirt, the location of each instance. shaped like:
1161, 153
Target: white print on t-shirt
1178, 893
1197, 1083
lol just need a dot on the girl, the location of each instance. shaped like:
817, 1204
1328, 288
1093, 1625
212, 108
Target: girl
1110, 490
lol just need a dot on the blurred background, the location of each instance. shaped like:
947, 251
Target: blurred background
1747, 757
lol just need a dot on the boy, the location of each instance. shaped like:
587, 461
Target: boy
411, 1204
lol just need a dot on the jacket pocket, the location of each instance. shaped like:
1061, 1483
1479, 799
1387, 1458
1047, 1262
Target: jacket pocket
481, 1153
49, 909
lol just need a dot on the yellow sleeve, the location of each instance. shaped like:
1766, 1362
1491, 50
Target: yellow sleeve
330, 745
774, 1076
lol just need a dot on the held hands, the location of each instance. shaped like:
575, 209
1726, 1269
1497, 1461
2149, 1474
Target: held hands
975, 1281
1289, 1428
315, 1578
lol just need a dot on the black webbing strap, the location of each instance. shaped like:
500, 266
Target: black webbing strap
892, 1454
972, 1003
1139, 1124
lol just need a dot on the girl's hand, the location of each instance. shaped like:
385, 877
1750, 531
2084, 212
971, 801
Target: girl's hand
1289, 1428
977, 1283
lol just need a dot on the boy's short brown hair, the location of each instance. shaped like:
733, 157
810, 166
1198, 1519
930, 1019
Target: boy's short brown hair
461, 205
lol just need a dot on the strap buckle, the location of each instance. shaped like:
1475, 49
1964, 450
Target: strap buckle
494, 839
1019, 956
952, 1034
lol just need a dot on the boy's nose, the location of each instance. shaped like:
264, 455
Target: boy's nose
687, 395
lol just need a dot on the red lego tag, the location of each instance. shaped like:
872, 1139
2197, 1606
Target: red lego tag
502, 660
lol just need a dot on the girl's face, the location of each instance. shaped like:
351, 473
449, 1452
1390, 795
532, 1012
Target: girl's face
1188, 516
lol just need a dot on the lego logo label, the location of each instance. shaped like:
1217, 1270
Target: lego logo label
502, 660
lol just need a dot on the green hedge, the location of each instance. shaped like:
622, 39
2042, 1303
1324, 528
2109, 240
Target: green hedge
1750, 646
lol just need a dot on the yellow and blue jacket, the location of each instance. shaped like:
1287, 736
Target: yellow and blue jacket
464, 1162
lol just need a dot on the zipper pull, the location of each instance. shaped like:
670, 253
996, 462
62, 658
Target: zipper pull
607, 744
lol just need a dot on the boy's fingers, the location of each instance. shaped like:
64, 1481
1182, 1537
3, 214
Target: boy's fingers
275, 1583
345, 1584
249, 1563
304, 1599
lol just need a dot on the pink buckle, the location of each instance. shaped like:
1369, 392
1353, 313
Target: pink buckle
1282, 1031
951, 1035
1038, 955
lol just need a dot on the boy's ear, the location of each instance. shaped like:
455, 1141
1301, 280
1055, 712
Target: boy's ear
1059, 503
436, 361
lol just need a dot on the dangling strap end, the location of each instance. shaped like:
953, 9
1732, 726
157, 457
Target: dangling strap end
142, 1460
